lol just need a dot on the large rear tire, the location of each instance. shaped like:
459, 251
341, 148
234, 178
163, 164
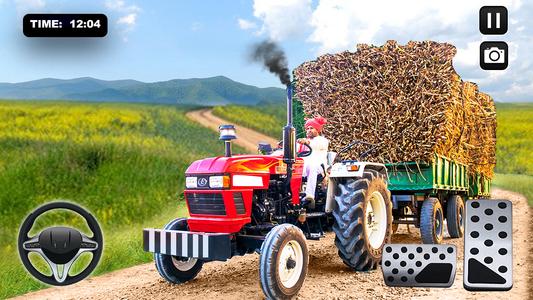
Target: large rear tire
431, 221
175, 269
363, 220
283, 262
454, 216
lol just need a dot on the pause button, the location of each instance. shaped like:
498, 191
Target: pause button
493, 20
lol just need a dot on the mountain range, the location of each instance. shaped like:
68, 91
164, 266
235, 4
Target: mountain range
210, 91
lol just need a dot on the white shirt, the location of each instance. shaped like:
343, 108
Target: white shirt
319, 155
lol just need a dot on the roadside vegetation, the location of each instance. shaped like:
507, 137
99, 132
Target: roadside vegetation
514, 148
123, 162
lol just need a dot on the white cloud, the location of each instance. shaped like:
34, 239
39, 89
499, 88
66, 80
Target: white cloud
339, 25
196, 26
331, 26
245, 24
121, 6
29, 6
283, 18
468, 56
127, 19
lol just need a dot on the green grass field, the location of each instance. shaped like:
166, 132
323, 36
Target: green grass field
123, 162
522, 184
514, 146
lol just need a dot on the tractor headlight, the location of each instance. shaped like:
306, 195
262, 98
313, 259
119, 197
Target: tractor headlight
219, 181
191, 182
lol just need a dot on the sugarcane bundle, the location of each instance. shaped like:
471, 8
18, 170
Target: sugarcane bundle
407, 99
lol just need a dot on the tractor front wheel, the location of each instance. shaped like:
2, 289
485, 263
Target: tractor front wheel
283, 262
175, 269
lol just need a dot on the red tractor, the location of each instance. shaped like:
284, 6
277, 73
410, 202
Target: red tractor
241, 204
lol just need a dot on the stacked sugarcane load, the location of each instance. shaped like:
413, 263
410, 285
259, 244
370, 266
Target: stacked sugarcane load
406, 99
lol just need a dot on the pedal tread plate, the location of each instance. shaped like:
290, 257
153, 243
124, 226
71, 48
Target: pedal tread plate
413, 265
488, 255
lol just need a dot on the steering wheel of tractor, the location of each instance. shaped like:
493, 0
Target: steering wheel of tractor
60, 245
307, 152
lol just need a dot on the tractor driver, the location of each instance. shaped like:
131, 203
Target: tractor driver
315, 163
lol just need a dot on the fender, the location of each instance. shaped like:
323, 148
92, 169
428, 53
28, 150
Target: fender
342, 170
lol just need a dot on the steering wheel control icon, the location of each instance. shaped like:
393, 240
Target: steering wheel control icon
60, 246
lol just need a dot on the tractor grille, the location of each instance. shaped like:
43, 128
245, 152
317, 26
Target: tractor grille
206, 203
239, 203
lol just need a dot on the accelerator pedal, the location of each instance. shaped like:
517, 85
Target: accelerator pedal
488, 255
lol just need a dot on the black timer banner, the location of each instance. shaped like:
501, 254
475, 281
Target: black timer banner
65, 25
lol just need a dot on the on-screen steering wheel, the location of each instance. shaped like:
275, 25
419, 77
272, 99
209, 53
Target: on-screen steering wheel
60, 245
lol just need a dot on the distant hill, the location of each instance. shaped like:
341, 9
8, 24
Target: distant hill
210, 91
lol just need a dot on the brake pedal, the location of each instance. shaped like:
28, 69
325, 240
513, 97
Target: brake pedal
413, 265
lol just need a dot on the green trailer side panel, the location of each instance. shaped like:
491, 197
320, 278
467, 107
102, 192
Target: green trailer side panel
440, 174
479, 186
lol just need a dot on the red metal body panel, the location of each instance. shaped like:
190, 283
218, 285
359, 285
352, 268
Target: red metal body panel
256, 165
231, 222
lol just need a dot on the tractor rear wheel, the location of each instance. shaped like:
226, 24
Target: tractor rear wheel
431, 221
363, 220
454, 216
175, 269
283, 262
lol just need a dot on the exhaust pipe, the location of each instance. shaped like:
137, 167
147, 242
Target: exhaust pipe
289, 142
289, 133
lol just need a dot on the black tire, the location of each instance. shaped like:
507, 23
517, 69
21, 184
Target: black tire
175, 269
352, 198
431, 221
272, 250
454, 216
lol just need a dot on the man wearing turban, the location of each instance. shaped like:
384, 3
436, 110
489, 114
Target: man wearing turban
315, 163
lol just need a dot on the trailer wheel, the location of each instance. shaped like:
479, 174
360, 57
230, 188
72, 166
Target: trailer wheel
431, 221
283, 262
454, 216
175, 269
363, 220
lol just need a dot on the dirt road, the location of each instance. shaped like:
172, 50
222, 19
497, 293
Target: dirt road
246, 138
328, 277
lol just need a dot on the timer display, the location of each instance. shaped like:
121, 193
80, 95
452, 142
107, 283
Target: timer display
65, 25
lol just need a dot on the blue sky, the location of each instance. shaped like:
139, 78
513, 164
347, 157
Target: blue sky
162, 40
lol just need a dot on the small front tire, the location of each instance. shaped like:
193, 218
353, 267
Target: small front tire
283, 262
175, 269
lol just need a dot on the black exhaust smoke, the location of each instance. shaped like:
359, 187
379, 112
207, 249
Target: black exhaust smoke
273, 58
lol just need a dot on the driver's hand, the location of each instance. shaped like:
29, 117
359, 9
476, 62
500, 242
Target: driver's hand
303, 141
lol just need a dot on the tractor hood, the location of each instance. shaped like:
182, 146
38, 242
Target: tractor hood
236, 164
